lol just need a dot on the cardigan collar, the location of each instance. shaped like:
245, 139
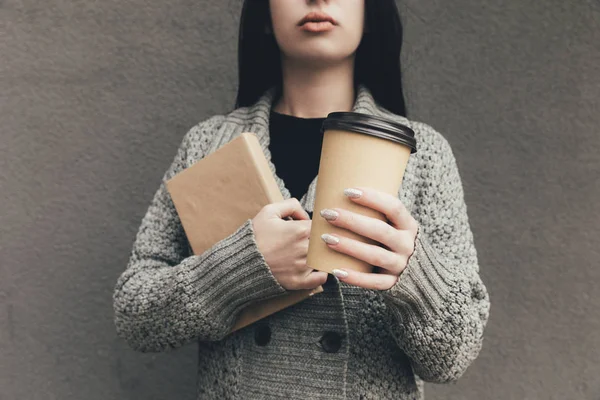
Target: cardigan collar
255, 119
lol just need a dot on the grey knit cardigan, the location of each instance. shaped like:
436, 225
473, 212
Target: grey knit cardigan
344, 343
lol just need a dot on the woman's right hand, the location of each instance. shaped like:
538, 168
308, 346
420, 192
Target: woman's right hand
284, 244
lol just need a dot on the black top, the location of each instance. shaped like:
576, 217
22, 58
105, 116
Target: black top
295, 146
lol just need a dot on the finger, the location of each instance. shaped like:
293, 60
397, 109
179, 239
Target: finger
371, 254
387, 204
369, 227
303, 228
314, 279
368, 280
289, 208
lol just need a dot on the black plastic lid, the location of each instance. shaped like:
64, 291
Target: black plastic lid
371, 125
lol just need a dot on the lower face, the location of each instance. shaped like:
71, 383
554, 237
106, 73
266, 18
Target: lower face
318, 41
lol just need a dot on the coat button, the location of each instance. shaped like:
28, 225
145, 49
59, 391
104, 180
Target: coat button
262, 334
331, 342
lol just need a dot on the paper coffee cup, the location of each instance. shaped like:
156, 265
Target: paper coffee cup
358, 150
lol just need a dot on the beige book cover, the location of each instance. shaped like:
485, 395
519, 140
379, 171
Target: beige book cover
217, 194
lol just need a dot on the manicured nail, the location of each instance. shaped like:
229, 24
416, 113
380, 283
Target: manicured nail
340, 273
353, 193
329, 239
329, 215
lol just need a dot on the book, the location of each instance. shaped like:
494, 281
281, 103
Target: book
217, 194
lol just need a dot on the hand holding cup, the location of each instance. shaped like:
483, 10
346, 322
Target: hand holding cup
396, 235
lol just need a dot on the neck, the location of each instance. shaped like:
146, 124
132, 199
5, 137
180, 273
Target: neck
313, 92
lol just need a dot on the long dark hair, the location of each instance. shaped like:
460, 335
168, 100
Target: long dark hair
377, 62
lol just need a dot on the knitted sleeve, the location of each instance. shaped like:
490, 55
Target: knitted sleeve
167, 297
439, 305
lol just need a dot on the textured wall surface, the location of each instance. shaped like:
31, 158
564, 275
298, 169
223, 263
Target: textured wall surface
96, 96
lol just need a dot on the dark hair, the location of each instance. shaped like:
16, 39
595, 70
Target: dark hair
377, 62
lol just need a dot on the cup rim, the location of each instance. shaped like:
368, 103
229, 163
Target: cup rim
371, 125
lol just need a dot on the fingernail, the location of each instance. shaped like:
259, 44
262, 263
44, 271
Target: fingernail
353, 193
329, 215
340, 273
329, 239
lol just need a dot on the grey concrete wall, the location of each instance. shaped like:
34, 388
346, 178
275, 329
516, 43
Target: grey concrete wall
94, 100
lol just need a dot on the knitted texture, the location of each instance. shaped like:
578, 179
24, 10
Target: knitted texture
428, 326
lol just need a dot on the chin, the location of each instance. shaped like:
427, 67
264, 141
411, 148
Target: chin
321, 53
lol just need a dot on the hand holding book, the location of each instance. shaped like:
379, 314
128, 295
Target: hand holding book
228, 188
284, 244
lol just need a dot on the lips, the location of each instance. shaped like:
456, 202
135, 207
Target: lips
317, 17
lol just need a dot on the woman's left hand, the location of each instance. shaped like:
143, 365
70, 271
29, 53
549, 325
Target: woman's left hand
398, 234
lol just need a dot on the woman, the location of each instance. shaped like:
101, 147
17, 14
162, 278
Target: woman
420, 316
